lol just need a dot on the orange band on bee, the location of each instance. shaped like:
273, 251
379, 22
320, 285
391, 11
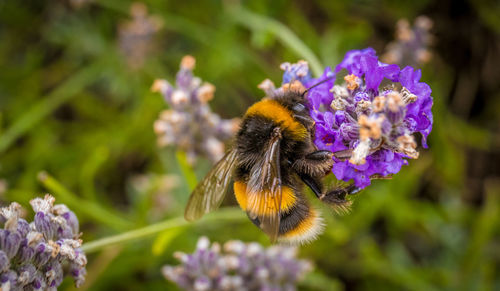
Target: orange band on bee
306, 230
248, 201
271, 109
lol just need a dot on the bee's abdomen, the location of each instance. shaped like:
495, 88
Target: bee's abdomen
244, 198
299, 222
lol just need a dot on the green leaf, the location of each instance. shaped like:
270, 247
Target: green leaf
164, 239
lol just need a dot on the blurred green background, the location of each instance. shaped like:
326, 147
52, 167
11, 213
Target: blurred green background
75, 102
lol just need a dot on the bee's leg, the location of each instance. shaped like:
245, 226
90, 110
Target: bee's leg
335, 197
338, 195
313, 183
315, 164
343, 155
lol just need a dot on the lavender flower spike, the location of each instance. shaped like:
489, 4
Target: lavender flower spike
32, 255
190, 125
242, 266
296, 77
411, 44
371, 126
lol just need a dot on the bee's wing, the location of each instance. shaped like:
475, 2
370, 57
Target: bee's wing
209, 193
264, 190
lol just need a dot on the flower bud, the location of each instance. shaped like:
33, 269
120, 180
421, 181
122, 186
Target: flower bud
10, 243
8, 280
42, 254
25, 253
44, 225
4, 262
26, 274
23, 227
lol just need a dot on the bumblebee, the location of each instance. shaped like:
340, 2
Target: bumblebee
272, 158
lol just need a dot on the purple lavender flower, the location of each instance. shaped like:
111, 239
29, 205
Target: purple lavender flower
32, 255
241, 267
411, 44
136, 37
369, 126
190, 125
296, 77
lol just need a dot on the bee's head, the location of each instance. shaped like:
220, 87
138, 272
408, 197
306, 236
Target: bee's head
294, 101
297, 104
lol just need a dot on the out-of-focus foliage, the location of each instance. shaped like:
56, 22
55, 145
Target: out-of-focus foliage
72, 104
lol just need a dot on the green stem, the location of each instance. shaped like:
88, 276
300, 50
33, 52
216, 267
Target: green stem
48, 104
283, 33
88, 208
219, 215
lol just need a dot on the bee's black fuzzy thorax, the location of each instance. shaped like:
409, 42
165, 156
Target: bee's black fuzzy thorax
256, 130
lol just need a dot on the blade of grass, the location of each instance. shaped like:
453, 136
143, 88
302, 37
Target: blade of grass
484, 228
89, 170
164, 239
186, 169
85, 207
48, 104
255, 21
230, 214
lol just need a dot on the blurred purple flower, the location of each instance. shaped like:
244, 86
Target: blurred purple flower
242, 266
190, 125
136, 37
411, 44
32, 255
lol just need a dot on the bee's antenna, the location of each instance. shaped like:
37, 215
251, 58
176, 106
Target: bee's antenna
317, 84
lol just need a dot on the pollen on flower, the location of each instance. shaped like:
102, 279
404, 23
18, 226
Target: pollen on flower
363, 106
179, 97
404, 32
294, 86
408, 146
206, 92
339, 91
379, 103
352, 81
188, 62
370, 127
266, 85
394, 101
338, 104
360, 152
407, 96
159, 86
